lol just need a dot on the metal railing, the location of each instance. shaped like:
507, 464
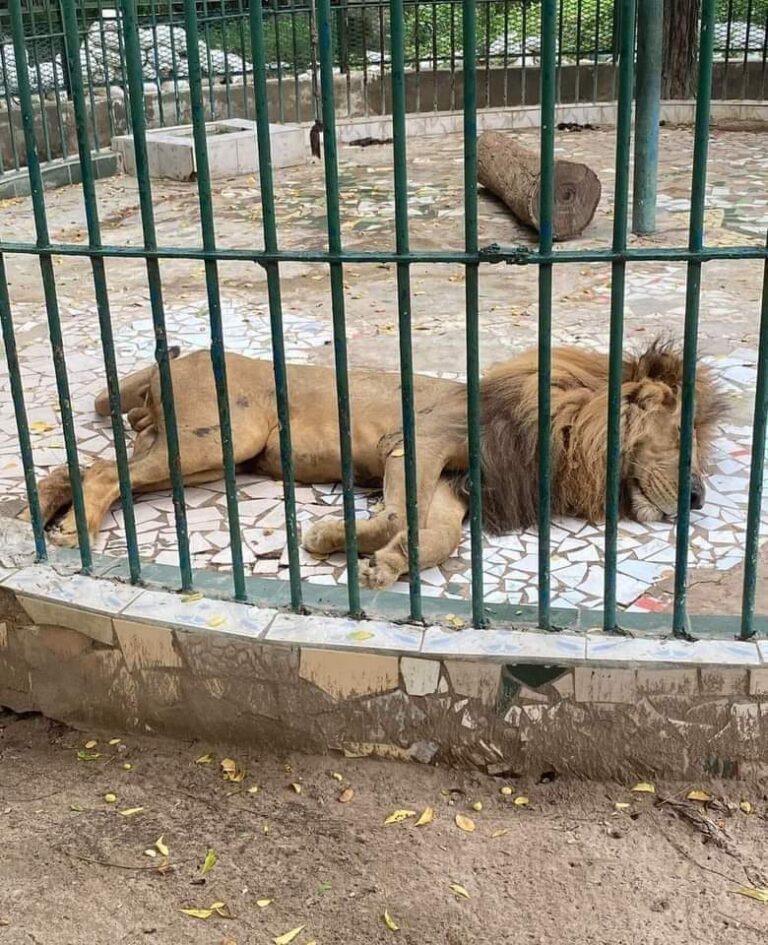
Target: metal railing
472, 257
505, 41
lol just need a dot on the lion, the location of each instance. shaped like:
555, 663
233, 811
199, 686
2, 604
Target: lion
650, 439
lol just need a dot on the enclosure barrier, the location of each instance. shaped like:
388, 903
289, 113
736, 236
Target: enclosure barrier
473, 256
507, 42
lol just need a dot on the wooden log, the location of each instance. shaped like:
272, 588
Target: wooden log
512, 173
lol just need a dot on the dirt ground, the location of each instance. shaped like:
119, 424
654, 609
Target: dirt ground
566, 867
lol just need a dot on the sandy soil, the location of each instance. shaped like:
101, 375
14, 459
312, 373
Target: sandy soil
570, 869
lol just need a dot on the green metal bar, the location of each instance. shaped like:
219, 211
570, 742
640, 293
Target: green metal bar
22, 423
90, 84
616, 360
174, 61
546, 213
52, 33
9, 108
649, 44
107, 83
397, 27
474, 419
757, 472
275, 302
208, 58
135, 84
218, 353
325, 40
33, 42
156, 58
692, 297
280, 109
225, 50
49, 283
72, 45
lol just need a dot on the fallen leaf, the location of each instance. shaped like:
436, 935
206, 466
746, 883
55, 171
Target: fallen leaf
361, 635
296, 788
76, 807
459, 891
754, 892
499, 833
216, 621
162, 849
477, 806
91, 744
110, 798
622, 805
210, 861
699, 796
465, 823
336, 776
324, 887
114, 741
40, 426
191, 597
507, 791
398, 816
88, 755
254, 789
745, 807
346, 796
204, 759
152, 853
127, 766
454, 621
197, 913
644, 787
263, 903
521, 801
221, 910
288, 937
427, 816
130, 811
232, 771
390, 922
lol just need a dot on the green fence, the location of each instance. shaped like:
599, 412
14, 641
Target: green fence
473, 257
505, 42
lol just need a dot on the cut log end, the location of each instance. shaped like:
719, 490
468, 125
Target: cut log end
577, 194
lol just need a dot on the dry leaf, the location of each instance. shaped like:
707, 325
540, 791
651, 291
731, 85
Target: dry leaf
477, 806
114, 741
216, 621
465, 823
499, 833
427, 816
263, 903
254, 789
390, 922
754, 892
127, 766
507, 791
521, 801
210, 861
40, 426
130, 811
361, 635
459, 891
288, 937
398, 816
454, 621
336, 776
232, 771
161, 847
152, 853
91, 744
745, 807
197, 913
204, 759
699, 796
644, 787
88, 755
110, 798
191, 597
346, 796
622, 805
76, 807
296, 788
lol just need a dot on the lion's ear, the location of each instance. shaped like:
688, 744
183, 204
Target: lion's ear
661, 361
646, 395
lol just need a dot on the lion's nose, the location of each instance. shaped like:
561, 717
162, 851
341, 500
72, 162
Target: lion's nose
698, 493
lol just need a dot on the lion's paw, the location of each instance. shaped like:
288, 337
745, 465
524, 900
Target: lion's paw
65, 533
324, 537
377, 574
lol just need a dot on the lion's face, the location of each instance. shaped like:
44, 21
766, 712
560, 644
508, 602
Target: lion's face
653, 432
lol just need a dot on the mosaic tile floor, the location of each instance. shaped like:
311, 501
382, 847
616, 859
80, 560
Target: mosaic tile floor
736, 213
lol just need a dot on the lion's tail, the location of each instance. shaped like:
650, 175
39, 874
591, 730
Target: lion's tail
133, 389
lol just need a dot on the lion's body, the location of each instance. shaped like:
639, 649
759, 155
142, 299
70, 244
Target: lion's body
509, 397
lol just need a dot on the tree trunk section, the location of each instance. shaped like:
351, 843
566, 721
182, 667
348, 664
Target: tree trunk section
512, 173
681, 47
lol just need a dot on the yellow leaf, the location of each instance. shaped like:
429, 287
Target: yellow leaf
254, 789
477, 806
455, 621
265, 828
745, 807
110, 798
521, 801
336, 776
232, 771
162, 849
88, 755
465, 823
127, 766
296, 787
221, 910
427, 816
210, 861
216, 621
191, 597
390, 922
499, 833
40, 426
699, 796
346, 796
114, 741
622, 805
263, 903
198, 913
204, 759
361, 635
754, 892
91, 744
130, 811
507, 791
152, 853
288, 937
644, 787
398, 816
459, 891
76, 807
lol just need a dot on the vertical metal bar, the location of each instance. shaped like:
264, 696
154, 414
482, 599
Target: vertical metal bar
296, 92
90, 83
487, 53
757, 471
506, 52
618, 268
174, 62
560, 26
382, 64
241, 23
275, 303
218, 354
72, 45
337, 293
546, 213
435, 97
54, 34
9, 107
280, 110
692, 293
135, 83
523, 69
35, 44
579, 14
224, 48
745, 61
107, 83
22, 424
49, 283
417, 54
208, 58
156, 58
119, 27
402, 245
649, 43
469, 28
596, 68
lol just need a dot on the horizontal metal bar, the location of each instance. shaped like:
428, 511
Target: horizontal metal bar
515, 255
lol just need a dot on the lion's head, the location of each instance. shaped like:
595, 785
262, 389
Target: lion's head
651, 400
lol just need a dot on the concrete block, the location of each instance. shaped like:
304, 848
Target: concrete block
604, 685
50, 613
145, 646
724, 682
667, 682
476, 680
758, 681
420, 677
343, 675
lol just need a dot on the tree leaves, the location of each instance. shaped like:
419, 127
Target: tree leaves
288, 937
398, 816
211, 859
465, 823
